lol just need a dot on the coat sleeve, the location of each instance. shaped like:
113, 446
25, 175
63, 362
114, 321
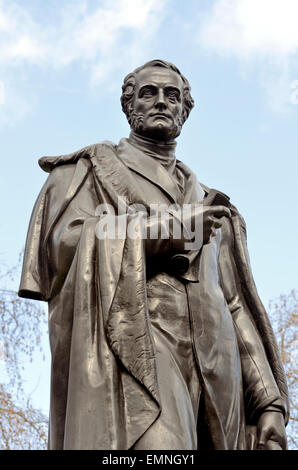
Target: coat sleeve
36, 278
260, 387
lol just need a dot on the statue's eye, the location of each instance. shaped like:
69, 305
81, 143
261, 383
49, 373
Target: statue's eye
173, 96
147, 93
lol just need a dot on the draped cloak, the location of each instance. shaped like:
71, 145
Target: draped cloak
106, 382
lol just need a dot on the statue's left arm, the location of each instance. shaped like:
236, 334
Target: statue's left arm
264, 404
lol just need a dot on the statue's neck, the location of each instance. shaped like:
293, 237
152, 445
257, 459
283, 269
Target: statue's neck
163, 150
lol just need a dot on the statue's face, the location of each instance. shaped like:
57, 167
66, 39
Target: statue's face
158, 103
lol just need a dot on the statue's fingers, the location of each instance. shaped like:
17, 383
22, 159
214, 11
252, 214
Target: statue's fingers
263, 435
220, 211
251, 441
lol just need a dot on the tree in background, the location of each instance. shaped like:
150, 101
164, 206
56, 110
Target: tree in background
283, 314
21, 322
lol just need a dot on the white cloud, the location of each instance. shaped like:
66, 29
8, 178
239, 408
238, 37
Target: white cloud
92, 36
111, 37
19, 35
102, 36
263, 33
252, 27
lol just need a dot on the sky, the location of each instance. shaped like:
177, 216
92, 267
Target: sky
62, 65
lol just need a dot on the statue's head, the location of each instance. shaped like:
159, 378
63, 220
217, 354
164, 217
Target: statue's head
156, 100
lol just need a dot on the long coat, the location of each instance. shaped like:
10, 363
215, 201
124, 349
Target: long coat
105, 391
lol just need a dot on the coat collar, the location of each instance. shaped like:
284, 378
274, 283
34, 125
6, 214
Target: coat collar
151, 169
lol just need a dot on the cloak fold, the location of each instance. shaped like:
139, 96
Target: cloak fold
257, 308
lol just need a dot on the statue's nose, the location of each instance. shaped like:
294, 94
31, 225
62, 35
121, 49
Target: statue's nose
160, 101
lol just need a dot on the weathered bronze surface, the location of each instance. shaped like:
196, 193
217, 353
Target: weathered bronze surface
153, 346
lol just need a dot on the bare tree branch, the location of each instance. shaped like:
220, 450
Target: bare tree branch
21, 322
283, 313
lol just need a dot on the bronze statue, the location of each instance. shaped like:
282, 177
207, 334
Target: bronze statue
154, 346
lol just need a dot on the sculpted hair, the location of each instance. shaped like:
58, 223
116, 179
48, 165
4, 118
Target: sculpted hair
129, 84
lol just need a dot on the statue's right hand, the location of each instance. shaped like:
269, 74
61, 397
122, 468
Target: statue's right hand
200, 217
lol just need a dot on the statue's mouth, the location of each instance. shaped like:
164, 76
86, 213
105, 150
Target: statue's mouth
161, 115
